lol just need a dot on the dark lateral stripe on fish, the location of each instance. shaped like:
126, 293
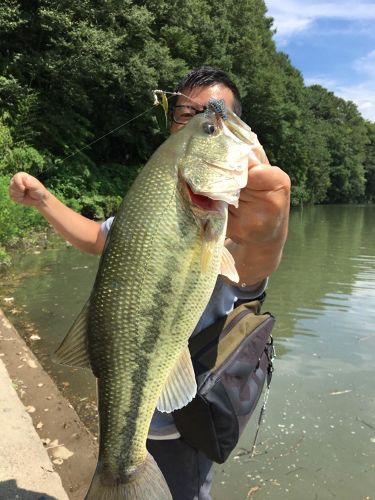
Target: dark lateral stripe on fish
160, 301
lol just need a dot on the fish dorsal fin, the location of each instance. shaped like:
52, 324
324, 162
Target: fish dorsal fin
228, 267
73, 350
180, 387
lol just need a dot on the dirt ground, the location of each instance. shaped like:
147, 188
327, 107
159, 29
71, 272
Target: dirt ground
71, 447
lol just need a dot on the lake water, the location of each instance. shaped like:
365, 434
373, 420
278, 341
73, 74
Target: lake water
317, 440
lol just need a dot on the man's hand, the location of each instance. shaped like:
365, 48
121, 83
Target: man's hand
263, 209
258, 227
27, 190
83, 233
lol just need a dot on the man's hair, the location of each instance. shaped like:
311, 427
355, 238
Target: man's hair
206, 76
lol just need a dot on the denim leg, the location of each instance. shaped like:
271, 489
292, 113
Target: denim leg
187, 471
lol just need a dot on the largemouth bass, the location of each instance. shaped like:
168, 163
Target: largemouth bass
162, 257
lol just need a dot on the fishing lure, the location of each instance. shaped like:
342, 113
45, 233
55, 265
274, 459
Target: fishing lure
218, 106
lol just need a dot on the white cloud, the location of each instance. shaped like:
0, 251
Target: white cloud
293, 16
362, 94
366, 65
291, 25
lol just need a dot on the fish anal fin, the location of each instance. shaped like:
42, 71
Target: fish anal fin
181, 385
73, 350
228, 267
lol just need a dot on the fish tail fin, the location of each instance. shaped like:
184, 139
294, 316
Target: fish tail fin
146, 483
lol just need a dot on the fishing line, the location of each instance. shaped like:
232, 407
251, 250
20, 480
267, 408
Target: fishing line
156, 93
105, 135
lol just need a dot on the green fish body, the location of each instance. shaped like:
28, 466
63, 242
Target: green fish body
162, 257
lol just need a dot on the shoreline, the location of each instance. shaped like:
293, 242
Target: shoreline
71, 448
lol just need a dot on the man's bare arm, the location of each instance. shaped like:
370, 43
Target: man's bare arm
81, 232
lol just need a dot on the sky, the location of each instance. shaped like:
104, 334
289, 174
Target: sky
332, 44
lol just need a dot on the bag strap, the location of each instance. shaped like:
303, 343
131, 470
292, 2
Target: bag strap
261, 299
271, 354
211, 334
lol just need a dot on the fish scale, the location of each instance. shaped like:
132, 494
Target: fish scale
155, 279
150, 291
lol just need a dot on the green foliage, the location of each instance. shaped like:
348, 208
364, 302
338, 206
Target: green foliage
72, 72
99, 207
6, 143
21, 155
15, 221
5, 259
369, 164
345, 134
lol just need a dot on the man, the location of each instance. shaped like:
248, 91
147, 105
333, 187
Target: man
257, 231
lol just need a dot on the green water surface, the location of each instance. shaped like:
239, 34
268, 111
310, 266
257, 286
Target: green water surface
318, 437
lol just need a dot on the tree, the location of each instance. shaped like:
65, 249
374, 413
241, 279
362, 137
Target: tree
369, 162
346, 136
77, 80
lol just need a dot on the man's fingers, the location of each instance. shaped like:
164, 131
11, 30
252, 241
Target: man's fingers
17, 187
16, 195
266, 178
26, 189
19, 180
257, 156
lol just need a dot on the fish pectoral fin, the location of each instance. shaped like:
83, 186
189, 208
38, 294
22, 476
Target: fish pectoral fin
73, 350
180, 387
228, 267
211, 235
207, 255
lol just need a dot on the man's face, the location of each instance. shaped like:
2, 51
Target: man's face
197, 98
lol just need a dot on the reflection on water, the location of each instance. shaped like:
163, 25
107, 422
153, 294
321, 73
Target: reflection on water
318, 438
53, 287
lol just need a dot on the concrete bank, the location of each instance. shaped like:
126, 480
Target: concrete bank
46, 453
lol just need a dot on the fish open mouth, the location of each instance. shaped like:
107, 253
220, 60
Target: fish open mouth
201, 201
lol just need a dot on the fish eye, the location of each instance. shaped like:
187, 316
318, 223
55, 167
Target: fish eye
209, 128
